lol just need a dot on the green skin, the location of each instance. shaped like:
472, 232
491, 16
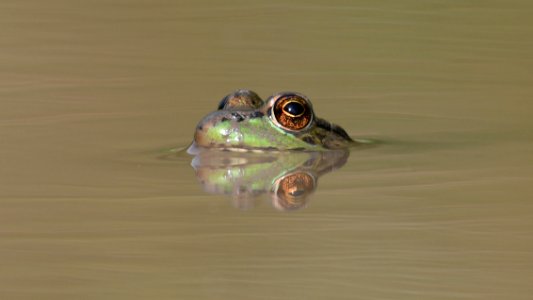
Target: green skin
244, 122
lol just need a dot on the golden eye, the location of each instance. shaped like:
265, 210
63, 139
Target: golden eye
293, 112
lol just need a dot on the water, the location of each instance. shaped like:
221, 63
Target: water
93, 94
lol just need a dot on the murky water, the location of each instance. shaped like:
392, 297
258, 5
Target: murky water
93, 94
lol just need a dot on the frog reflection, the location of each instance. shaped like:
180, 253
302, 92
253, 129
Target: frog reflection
288, 178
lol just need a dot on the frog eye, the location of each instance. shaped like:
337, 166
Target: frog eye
240, 100
292, 111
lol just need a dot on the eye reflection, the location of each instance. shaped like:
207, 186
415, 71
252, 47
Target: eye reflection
292, 191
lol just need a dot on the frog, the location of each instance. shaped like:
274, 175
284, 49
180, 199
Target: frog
284, 121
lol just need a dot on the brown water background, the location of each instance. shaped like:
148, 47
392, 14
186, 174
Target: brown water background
93, 92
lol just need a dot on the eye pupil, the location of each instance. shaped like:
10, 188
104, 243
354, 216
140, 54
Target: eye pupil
294, 109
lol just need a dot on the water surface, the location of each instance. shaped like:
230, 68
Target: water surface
94, 93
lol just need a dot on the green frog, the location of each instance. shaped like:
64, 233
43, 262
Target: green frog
285, 121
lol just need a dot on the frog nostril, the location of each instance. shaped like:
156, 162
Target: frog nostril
294, 109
